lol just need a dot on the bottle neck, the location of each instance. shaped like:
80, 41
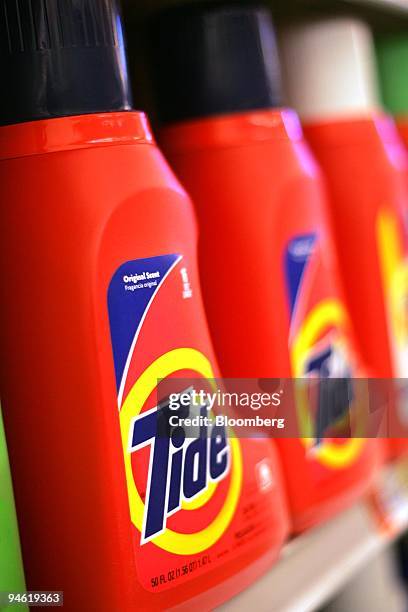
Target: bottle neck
230, 130
75, 132
353, 130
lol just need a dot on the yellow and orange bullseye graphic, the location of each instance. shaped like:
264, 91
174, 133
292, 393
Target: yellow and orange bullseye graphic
170, 540
328, 314
394, 272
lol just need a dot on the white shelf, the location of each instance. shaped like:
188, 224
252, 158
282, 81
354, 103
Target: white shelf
314, 566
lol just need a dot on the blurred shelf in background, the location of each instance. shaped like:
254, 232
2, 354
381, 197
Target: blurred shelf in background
316, 565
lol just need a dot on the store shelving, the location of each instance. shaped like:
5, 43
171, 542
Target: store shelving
314, 566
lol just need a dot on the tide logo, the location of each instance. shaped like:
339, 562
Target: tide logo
183, 472
335, 392
321, 350
181, 469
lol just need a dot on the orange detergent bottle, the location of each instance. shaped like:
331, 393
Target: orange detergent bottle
392, 61
359, 150
268, 272
100, 299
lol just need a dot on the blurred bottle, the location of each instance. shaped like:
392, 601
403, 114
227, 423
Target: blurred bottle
330, 78
100, 300
392, 56
270, 282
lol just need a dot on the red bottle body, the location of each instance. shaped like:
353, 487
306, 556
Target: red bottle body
275, 303
93, 218
365, 166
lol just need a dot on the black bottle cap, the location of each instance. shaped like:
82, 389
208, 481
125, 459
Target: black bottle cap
210, 60
60, 58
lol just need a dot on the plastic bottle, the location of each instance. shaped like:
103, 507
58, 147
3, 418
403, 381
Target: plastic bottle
333, 85
100, 299
268, 272
392, 56
392, 62
11, 569
359, 150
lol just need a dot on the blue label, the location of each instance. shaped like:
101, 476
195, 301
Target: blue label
298, 253
130, 293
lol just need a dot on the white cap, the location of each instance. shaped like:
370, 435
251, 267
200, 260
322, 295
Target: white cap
329, 68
